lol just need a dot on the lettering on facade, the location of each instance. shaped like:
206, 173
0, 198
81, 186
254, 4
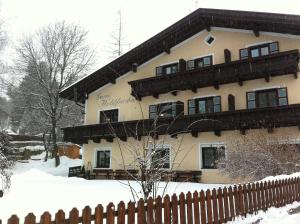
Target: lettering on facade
107, 100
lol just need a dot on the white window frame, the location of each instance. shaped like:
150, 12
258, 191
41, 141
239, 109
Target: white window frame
207, 37
213, 144
106, 109
95, 160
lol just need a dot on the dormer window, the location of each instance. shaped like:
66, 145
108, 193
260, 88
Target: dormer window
199, 62
259, 50
167, 69
171, 109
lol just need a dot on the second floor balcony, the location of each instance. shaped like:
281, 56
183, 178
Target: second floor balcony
282, 63
269, 118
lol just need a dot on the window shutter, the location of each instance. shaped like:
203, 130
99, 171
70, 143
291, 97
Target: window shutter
282, 96
244, 53
192, 106
274, 47
231, 102
152, 111
159, 70
182, 65
190, 64
217, 103
251, 103
227, 56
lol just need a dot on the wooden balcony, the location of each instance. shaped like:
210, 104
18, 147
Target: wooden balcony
236, 71
271, 117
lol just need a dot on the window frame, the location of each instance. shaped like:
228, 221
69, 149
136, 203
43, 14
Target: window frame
267, 90
196, 107
163, 68
158, 106
195, 60
210, 145
99, 115
96, 158
208, 37
259, 47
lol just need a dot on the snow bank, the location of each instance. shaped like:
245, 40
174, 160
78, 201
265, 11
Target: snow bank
32, 148
280, 177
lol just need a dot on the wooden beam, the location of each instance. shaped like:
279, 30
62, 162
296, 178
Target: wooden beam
243, 131
194, 134
123, 138
217, 133
173, 135
109, 139
96, 140
267, 77
256, 33
155, 95
296, 75
216, 85
194, 89
174, 93
134, 67
270, 129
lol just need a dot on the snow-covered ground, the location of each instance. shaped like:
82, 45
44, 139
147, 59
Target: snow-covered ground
38, 186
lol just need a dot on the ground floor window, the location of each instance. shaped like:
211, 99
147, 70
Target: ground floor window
211, 154
161, 157
103, 159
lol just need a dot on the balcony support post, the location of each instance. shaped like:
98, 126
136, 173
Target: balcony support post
194, 134
217, 133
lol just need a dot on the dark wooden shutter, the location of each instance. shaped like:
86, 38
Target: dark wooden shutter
251, 100
182, 65
231, 102
227, 56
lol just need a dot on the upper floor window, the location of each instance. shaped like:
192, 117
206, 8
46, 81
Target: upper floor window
107, 116
267, 98
259, 50
167, 69
171, 109
204, 105
199, 62
160, 157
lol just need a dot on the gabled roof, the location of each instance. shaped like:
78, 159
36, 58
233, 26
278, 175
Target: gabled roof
183, 29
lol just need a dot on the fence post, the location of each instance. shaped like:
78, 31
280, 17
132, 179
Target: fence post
141, 212
60, 217
74, 216
220, 204
189, 208
110, 213
86, 215
226, 204
131, 213
196, 208
121, 213
215, 205
236, 200
30, 219
174, 209
262, 194
150, 208
231, 203
158, 210
209, 209
202, 207
167, 210
13, 220
250, 198
182, 208
99, 214
46, 218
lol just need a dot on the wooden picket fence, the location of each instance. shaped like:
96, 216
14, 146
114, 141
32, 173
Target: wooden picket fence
212, 206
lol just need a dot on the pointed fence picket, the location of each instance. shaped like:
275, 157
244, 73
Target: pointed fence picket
213, 206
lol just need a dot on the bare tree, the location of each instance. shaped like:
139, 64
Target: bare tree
57, 55
118, 40
258, 154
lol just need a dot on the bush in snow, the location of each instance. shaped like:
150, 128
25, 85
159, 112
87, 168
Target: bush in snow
5, 163
256, 155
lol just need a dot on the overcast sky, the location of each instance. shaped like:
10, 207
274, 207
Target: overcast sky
142, 18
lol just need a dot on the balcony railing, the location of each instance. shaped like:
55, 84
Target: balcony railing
271, 117
236, 71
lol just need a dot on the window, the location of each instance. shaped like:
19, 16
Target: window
167, 69
103, 159
259, 50
204, 105
161, 157
267, 98
210, 156
107, 116
199, 62
171, 109
209, 40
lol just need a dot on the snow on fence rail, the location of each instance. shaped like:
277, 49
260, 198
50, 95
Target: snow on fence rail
212, 206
